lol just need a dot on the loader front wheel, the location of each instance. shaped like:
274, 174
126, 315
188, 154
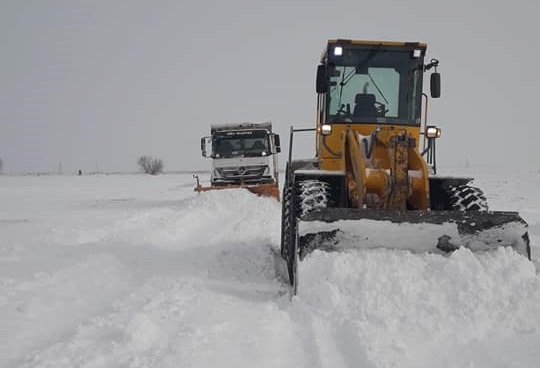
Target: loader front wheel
285, 220
299, 199
313, 195
467, 198
288, 230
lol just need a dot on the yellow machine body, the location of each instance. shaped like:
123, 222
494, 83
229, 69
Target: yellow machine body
394, 176
375, 162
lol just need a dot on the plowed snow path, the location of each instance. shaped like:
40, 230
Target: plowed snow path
137, 271
113, 280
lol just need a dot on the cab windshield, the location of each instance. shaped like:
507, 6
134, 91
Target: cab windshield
253, 143
375, 85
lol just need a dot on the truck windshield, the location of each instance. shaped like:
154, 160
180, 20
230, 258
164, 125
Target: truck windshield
252, 143
375, 85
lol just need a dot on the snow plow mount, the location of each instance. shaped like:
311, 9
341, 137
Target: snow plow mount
265, 190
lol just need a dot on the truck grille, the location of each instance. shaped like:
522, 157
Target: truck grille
242, 173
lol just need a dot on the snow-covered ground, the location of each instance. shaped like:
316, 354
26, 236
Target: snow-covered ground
138, 271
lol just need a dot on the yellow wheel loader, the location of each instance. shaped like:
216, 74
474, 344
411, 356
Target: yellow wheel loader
373, 182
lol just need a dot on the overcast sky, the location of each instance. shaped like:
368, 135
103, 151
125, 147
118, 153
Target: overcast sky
96, 84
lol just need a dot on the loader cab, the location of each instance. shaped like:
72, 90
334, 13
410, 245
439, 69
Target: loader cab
371, 83
374, 88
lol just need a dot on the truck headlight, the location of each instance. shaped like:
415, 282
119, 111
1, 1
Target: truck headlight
433, 132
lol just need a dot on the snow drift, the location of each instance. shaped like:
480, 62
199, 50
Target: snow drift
137, 271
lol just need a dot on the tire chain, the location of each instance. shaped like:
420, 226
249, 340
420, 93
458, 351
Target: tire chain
313, 195
467, 198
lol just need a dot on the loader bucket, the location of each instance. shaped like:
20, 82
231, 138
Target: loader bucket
417, 231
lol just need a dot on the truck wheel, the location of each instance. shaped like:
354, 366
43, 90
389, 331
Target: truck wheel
467, 198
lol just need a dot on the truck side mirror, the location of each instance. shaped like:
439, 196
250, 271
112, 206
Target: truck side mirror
276, 143
322, 79
203, 146
435, 85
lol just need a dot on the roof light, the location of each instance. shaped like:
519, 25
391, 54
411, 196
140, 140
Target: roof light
338, 51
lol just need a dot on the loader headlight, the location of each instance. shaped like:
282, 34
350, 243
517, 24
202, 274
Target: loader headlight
338, 51
433, 132
326, 129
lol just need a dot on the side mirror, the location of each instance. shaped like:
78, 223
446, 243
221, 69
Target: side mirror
435, 85
321, 85
203, 146
277, 143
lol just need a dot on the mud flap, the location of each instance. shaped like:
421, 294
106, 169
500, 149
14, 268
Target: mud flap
417, 231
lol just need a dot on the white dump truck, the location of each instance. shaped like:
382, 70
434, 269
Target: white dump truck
243, 155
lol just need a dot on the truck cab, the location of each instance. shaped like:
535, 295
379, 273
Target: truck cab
242, 154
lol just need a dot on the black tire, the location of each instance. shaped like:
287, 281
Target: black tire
313, 195
467, 198
285, 219
298, 200
289, 211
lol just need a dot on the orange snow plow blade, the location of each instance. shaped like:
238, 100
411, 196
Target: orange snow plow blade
265, 190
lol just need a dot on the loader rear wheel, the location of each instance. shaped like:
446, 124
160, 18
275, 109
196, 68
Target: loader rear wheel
467, 198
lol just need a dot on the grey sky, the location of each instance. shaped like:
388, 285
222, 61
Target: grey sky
99, 83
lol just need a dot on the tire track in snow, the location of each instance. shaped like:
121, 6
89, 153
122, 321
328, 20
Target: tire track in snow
195, 276
67, 296
202, 293
178, 323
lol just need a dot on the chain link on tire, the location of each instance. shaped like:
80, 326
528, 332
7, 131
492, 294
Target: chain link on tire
313, 195
289, 215
286, 220
305, 197
467, 198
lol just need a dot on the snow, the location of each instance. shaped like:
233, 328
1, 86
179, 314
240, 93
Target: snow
140, 271
376, 234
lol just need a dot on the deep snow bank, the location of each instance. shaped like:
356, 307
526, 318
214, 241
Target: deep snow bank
396, 308
137, 271
101, 272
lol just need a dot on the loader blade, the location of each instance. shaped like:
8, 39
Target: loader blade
418, 231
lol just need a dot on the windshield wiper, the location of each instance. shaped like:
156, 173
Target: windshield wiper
344, 80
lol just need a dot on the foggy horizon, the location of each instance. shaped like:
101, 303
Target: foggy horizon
95, 85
